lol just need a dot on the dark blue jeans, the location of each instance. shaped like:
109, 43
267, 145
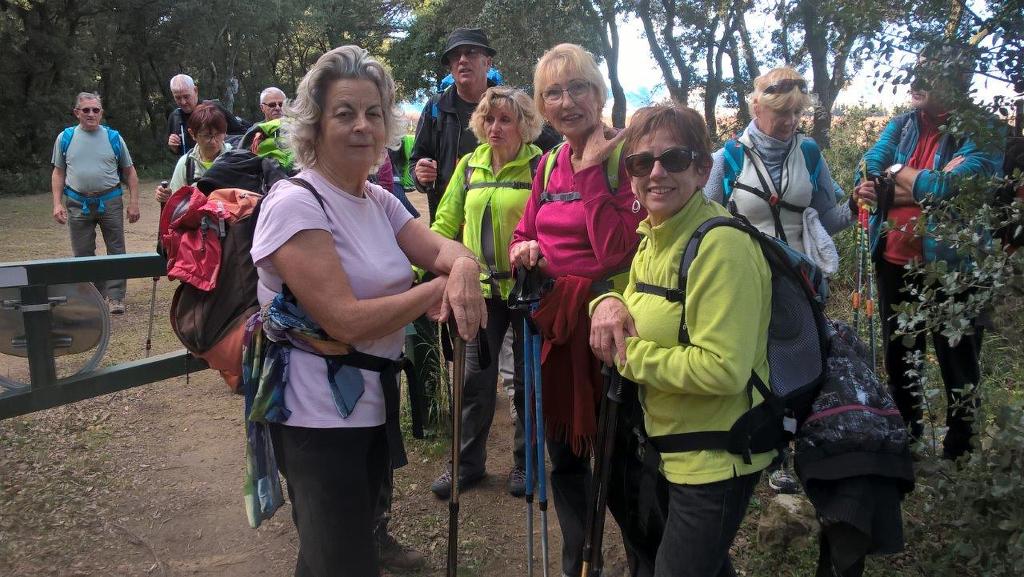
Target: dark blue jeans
702, 522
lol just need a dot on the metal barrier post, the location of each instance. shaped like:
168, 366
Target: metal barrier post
35, 309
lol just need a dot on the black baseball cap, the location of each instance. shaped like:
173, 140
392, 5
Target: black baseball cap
466, 37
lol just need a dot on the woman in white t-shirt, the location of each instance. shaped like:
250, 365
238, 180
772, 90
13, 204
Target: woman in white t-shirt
346, 259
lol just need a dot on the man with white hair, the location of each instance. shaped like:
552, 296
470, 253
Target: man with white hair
186, 96
272, 103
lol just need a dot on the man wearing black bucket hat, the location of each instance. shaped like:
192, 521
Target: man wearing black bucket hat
443, 135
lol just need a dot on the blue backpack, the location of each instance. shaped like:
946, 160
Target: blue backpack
733, 152
112, 135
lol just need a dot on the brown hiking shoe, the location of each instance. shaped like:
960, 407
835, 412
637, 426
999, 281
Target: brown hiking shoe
398, 557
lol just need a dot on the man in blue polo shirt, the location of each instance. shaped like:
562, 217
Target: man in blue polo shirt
90, 161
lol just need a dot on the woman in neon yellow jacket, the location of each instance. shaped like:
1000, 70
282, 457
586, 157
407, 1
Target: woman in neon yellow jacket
699, 386
484, 202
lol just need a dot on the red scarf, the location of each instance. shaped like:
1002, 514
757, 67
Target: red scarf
571, 373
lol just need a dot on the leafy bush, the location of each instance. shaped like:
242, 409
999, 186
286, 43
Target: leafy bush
975, 507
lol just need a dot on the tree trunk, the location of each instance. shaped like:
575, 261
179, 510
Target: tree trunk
678, 89
610, 43
817, 46
739, 86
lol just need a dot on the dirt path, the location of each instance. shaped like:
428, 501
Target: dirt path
147, 482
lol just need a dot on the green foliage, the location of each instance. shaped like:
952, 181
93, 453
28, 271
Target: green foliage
975, 506
520, 30
128, 51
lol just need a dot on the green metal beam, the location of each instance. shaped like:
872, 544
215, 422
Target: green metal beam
82, 269
101, 382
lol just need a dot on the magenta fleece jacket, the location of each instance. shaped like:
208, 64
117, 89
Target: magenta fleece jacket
593, 237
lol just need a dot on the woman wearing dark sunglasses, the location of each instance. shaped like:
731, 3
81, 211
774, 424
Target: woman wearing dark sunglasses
774, 174
699, 385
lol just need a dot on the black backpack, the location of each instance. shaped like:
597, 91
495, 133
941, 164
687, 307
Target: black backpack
205, 320
797, 348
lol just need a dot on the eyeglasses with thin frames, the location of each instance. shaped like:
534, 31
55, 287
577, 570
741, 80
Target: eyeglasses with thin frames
209, 136
273, 104
577, 89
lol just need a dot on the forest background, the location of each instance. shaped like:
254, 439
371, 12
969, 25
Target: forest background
706, 51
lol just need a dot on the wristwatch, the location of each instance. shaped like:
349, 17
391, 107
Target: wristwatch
893, 170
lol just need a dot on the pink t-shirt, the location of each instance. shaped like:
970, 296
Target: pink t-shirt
364, 231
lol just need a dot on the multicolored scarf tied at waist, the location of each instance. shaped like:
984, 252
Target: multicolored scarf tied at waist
270, 337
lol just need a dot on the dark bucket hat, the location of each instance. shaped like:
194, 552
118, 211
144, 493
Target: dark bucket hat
466, 37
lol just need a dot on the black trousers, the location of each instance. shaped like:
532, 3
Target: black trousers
960, 365
480, 388
334, 480
702, 523
640, 526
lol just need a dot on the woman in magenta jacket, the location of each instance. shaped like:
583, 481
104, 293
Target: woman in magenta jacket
582, 234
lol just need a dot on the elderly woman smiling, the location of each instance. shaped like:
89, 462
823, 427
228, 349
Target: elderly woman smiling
700, 384
579, 227
343, 248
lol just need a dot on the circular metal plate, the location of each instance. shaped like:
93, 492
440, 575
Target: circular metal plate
80, 322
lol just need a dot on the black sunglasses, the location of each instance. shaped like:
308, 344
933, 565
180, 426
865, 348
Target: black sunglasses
675, 159
784, 86
274, 104
91, 110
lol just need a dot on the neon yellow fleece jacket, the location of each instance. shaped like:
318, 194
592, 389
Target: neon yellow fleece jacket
460, 207
700, 386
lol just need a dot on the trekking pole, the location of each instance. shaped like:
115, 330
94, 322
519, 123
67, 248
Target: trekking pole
529, 435
152, 293
870, 305
459, 372
539, 418
152, 309
525, 296
606, 429
860, 257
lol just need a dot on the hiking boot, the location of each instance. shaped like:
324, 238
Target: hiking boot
442, 486
516, 482
398, 557
781, 480
116, 306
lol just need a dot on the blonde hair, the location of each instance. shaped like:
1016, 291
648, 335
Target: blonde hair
301, 124
528, 120
794, 98
570, 61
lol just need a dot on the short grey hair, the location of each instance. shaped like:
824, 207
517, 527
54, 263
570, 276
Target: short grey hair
88, 96
302, 115
182, 82
271, 90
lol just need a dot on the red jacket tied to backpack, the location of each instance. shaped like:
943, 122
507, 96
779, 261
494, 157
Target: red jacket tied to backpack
192, 226
208, 311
